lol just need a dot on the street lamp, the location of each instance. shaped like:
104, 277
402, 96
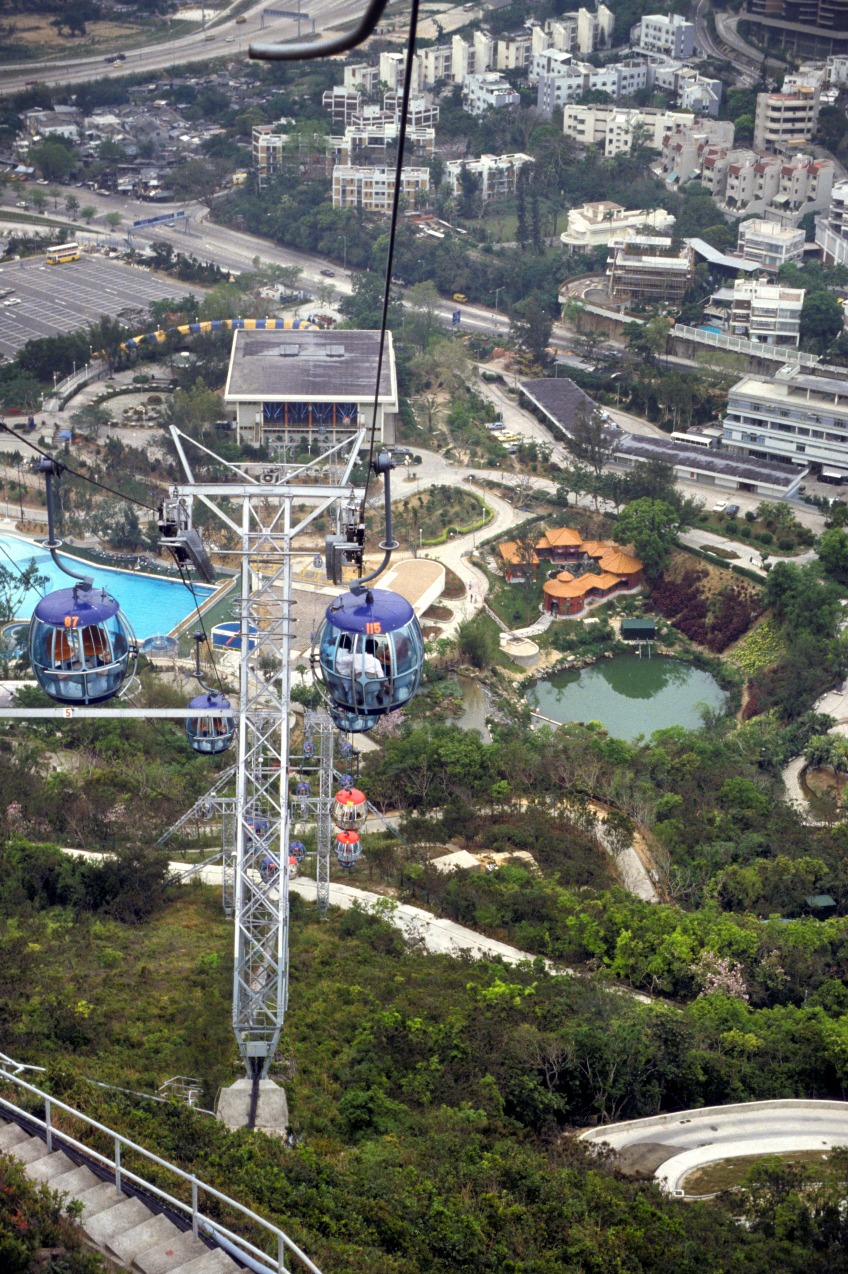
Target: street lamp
497, 294
344, 237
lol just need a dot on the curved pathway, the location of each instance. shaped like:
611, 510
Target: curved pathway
672, 1146
419, 927
835, 704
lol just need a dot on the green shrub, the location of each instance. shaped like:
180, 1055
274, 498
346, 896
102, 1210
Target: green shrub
750, 515
745, 532
786, 544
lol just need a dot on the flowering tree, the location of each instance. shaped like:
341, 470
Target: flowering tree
718, 973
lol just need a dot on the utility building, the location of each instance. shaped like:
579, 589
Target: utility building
309, 388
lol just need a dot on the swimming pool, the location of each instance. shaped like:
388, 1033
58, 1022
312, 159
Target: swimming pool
152, 605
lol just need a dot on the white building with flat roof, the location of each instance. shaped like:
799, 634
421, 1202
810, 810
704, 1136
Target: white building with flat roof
832, 228
769, 244
372, 188
649, 268
797, 417
670, 35
788, 118
613, 127
488, 91
359, 77
766, 313
309, 386
594, 225
496, 175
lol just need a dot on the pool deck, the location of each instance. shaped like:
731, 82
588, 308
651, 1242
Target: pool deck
217, 593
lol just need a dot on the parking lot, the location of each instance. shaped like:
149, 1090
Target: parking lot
59, 298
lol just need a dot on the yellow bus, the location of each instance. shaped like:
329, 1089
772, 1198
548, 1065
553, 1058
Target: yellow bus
63, 252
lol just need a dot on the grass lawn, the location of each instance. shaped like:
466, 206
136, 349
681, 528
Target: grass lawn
428, 515
731, 1172
516, 604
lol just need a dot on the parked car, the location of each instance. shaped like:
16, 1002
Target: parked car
732, 510
461, 297
329, 274
719, 506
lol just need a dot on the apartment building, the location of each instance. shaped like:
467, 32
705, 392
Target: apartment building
582, 32
797, 417
372, 188
835, 71
813, 28
488, 91
512, 52
614, 127
769, 244
594, 30
392, 70
766, 313
341, 102
496, 175
561, 81
788, 118
463, 61
685, 145
832, 228
594, 225
693, 91
671, 36
474, 56
420, 113
266, 151
361, 78
436, 64
784, 190
649, 268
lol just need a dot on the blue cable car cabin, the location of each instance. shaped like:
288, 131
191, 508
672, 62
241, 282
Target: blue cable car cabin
210, 735
370, 657
256, 828
80, 645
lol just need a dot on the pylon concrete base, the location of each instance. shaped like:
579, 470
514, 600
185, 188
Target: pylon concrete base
272, 1109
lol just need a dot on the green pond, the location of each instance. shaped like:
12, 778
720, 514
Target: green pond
630, 695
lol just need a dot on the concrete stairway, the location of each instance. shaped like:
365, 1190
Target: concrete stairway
141, 1240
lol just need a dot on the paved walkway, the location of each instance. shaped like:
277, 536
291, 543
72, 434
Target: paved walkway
745, 555
419, 927
834, 704
688, 1139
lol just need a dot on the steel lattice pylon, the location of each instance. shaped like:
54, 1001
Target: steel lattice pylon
260, 505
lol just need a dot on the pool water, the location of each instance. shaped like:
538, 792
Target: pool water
151, 605
630, 695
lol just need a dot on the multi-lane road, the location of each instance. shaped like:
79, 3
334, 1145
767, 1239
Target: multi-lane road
222, 37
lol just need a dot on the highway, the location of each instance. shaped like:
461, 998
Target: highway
746, 65
222, 38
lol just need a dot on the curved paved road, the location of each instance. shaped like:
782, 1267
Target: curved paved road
675, 1144
222, 38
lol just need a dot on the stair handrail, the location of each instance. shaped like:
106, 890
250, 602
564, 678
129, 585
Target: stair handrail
198, 1219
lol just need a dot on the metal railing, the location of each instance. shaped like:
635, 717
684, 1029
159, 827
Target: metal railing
200, 1222
739, 345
